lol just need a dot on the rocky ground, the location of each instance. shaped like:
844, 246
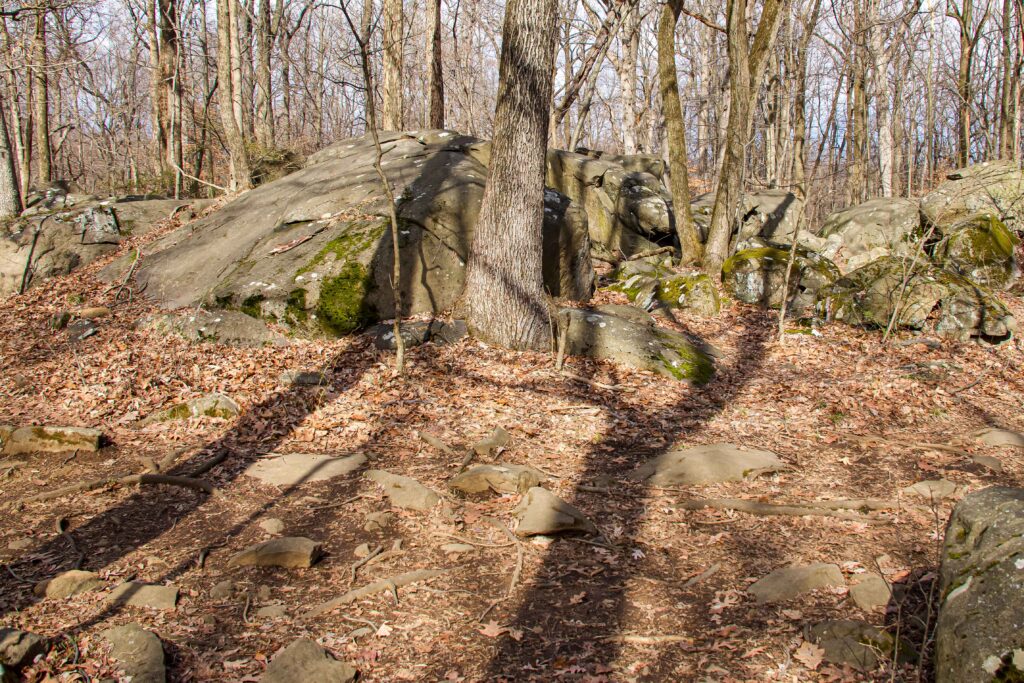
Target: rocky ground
664, 588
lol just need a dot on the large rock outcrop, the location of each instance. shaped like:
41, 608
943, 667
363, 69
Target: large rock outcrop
757, 275
980, 631
995, 188
313, 249
982, 249
857, 235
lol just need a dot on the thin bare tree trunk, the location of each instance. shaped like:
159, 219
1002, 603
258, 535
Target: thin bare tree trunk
264, 95
690, 246
241, 175
394, 43
504, 296
436, 85
41, 97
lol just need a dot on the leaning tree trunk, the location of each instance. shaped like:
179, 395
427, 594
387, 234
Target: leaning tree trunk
504, 297
392, 81
241, 176
10, 197
435, 117
689, 240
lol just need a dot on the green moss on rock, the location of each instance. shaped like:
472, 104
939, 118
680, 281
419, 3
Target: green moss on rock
355, 239
342, 307
252, 306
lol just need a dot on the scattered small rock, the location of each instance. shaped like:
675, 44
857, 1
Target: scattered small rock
494, 441
855, 643
294, 469
80, 330
302, 378
933, 489
20, 544
713, 463
52, 440
871, 593
137, 594
1000, 437
19, 648
223, 590
272, 525
988, 462
67, 584
93, 312
361, 632
542, 512
378, 521
457, 548
291, 552
789, 582
404, 492
306, 661
138, 652
362, 550
502, 478
272, 612
210, 405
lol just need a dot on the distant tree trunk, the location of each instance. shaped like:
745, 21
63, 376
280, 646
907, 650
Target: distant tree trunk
241, 175
883, 103
1009, 87
264, 98
630, 41
436, 85
690, 245
969, 37
747, 62
10, 197
170, 92
41, 97
394, 43
504, 295
800, 106
235, 61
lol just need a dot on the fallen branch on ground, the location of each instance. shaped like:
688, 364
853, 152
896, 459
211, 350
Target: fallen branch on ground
634, 639
392, 583
123, 480
815, 508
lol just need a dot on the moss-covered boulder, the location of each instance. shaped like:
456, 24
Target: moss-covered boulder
313, 250
858, 235
982, 249
649, 285
978, 636
609, 337
921, 296
756, 276
995, 188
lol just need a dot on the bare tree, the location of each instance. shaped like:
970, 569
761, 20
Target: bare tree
227, 41
10, 197
435, 117
504, 295
394, 47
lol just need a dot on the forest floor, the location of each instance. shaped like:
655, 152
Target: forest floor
661, 597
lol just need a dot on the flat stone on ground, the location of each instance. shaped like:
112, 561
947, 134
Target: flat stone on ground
404, 492
303, 378
709, 464
138, 652
19, 648
306, 661
855, 643
294, 469
1000, 437
290, 552
871, 592
223, 590
541, 513
137, 594
68, 583
210, 405
501, 478
52, 440
272, 525
790, 582
933, 489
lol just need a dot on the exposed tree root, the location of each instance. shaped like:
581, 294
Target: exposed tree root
392, 583
827, 508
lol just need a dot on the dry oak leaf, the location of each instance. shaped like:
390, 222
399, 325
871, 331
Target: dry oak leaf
492, 629
809, 654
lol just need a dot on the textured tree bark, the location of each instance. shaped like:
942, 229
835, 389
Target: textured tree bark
690, 245
41, 97
747, 63
394, 42
170, 93
436, 85
630, 41
241, 175
264, 99
10, 197
504, 296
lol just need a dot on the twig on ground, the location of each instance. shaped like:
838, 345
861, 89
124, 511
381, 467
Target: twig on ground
703, 576
122, 480
394, 583
768, 509
437, 443
635, 639
356, 565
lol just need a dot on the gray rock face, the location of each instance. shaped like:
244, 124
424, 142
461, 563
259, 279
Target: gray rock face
211, 405
771, 215
68, 583
981, 249
138, 652
980, 631
870, 295
52, 440
500, 478
708, 464
136, 594
221, 327
757, 275
790, 582
290, 552
859, 234
855, 643
313, 250
294, 469
404, 492
608, 337
650, 285
418, 333
933, 489
19, 648
304, 660
995, 188
541, 513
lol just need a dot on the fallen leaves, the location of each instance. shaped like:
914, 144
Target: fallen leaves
809, 654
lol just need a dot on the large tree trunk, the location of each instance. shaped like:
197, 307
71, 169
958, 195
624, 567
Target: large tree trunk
41, 97
10, 197
264, 99
392, 82
435, 117
170, 92
883, 105
689, 240
747, 63
241, 175
504, 297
